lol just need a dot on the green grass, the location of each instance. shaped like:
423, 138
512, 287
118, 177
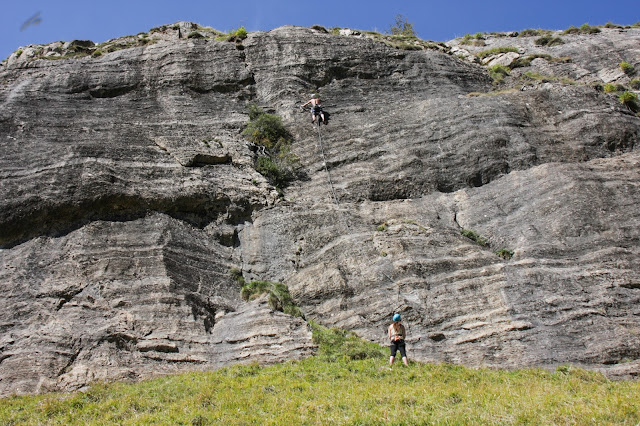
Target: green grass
584, 29
506, 254
348, 382
630, 100
278, 296
548, 40
496, 51
533, 33
498, 73
475, 237
627, 68
236, 35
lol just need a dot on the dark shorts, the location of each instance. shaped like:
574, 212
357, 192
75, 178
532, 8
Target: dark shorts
316, 110
398, 346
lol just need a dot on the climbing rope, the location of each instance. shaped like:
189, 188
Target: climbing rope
324, 161
335, 200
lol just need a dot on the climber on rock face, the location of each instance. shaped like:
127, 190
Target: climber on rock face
316, 108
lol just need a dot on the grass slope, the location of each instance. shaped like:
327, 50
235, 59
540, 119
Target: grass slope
348, 382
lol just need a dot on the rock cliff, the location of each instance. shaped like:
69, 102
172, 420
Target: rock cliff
129, 193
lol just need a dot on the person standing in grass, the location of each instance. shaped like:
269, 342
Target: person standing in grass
397, 334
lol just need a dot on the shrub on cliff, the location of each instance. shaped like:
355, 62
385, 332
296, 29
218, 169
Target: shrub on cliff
496, 51
498, 73
236, 35
275, 161
266, 129
548, 40
278, 296
475, 237
402, 27
584, 29
630, 100
627, 68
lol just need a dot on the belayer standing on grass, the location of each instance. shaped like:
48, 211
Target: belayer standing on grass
397, 334
316, 108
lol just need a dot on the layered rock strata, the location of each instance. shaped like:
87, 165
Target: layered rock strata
129, 193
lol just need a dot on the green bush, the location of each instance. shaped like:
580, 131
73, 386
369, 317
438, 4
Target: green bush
588, 29
382, 228
266, 129
278, 296
548, 40
498, 73
495, 51
236, 35
635, 84
533, 33
526, 61
630, 100
277, 164
475, 237
275, 174
610, 88
627, 68
236, 274
584, 29
476, 40
241, 33
506, 254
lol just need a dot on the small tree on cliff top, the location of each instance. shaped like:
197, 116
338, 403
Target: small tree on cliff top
402, 27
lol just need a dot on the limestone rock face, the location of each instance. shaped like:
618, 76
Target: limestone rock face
129, 193
581, 57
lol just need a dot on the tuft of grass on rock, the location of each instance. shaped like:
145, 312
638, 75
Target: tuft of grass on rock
498, 73
278, 296
627, 68
533, 33
473, 40
236, 35
630, 100
504, 253
236, 274
548, 40
496, 51
584, 29
475, 237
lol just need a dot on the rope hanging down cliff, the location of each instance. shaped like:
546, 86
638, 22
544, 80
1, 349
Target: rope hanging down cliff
324, 161
318, 122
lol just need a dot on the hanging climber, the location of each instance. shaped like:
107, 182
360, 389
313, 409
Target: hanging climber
397, 334
316, 108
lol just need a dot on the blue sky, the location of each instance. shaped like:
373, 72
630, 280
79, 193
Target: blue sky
433, 20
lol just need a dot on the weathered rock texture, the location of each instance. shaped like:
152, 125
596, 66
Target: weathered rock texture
128, 194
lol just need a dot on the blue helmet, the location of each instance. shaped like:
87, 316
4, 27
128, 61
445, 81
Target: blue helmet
396, 317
